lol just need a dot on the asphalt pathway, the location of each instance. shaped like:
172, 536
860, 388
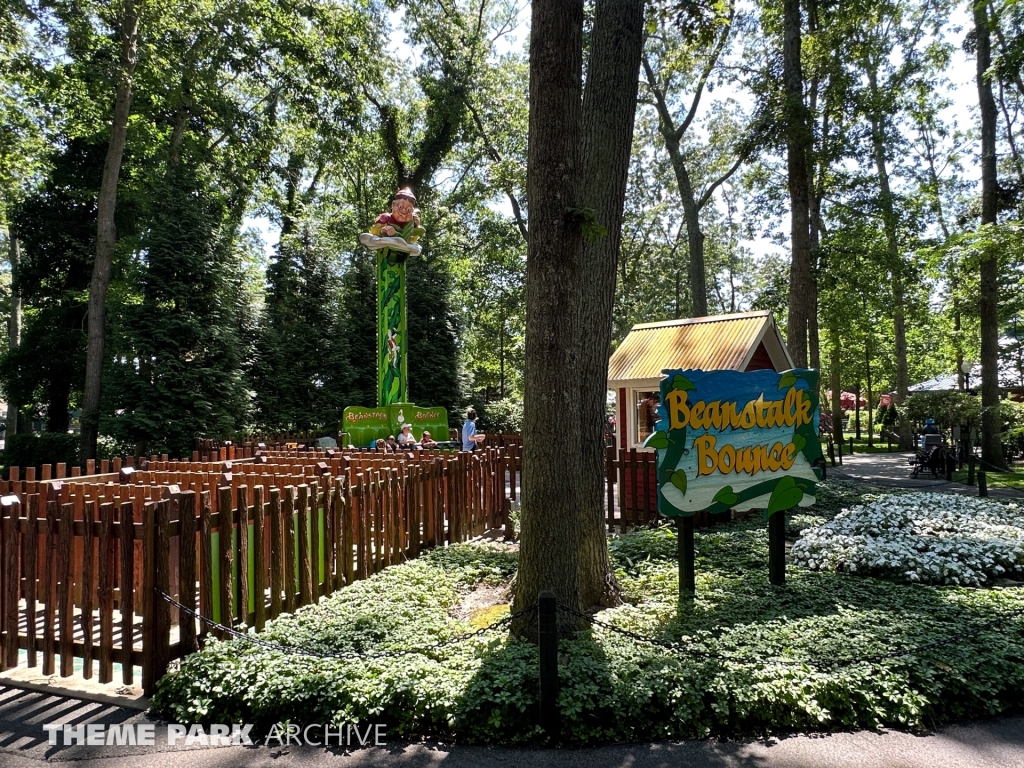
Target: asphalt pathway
893, 470
24, 744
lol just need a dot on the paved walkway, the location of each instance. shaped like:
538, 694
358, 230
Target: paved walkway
893, 469
997, 743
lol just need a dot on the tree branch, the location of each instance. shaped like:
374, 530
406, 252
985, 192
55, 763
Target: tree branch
496, 157
706, 74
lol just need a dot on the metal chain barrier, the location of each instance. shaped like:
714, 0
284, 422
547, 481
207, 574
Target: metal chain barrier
296, 651
821, 663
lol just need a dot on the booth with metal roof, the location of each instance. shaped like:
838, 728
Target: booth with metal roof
746, 341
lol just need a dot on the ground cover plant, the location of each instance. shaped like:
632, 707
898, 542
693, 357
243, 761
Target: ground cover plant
828, 650
932, 538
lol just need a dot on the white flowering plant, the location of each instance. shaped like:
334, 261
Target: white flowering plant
927, 538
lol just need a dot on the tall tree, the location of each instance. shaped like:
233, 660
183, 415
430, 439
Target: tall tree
579, 149
666, 66
798, 145
126, 26
991, 445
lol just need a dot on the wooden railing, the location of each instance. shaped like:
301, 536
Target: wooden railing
83, 569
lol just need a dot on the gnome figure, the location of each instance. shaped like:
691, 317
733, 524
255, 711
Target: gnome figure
399, 230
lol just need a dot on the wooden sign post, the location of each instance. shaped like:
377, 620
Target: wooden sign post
736, 440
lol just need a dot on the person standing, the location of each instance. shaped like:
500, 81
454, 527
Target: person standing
470, 437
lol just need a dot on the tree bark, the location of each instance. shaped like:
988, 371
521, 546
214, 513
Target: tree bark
816, 165
798, 145
609, 109
551, 412
991, 446
576, 178
106, 238
14, 326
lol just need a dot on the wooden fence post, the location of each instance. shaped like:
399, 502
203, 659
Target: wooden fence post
276, 545
288, 531
32, 559
186, 503
225, 513
205, 559
104, 592
243, 554
159, 614
305, 563
89, 512
259, 559
126, 605
65, 592
10, 512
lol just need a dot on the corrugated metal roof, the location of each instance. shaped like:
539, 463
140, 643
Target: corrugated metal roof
719, 342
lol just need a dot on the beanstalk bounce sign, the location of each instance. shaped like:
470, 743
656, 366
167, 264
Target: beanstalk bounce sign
737, 440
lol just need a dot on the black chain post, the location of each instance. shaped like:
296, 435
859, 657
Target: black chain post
777, 549
982, 483
851, 446
970, 468
685, 555
547, 636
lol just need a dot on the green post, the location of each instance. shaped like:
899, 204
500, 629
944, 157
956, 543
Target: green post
392, 339
393, 237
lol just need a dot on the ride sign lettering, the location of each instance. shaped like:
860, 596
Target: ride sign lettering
737, 440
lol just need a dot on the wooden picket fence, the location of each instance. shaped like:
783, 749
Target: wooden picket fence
84, 566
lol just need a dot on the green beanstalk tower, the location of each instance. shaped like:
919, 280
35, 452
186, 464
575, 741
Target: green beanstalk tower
394, 238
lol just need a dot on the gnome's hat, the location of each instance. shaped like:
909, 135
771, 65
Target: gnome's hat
406, 193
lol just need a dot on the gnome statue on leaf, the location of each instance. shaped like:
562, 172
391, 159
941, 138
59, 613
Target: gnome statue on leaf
397, 231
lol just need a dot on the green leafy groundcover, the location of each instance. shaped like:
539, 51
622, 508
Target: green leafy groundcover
484, 689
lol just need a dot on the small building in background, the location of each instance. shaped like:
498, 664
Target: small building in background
746, 341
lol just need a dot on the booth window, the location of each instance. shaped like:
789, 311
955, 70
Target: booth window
646, 414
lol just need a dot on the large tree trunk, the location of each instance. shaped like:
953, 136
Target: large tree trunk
106, 234
817, 164
991, 446
549, 556
576, 174
14, 326
609, 108
798, 145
